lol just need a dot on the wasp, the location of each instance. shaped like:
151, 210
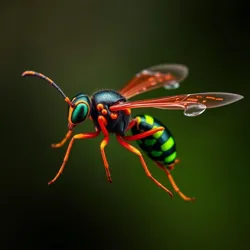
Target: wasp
110, 111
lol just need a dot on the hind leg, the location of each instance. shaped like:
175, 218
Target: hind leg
176, 188
141, 135
172, 166
137, 152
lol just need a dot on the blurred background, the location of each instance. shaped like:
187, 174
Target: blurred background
85, 46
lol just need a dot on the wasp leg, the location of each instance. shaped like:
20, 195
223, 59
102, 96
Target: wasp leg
137, 152
102, 121
131, 124
143, 134
184, 197
103, 144
172, 166
78, 136
62, 142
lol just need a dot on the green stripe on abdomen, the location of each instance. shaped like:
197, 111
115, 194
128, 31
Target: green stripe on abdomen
149, 119
168, 144
161, 145
158, 134
170, 159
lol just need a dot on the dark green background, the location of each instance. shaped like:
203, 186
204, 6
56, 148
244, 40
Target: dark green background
88, 45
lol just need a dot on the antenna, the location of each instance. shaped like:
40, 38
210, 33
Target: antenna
33, 73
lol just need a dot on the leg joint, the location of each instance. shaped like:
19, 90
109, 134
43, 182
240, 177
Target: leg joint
104, 143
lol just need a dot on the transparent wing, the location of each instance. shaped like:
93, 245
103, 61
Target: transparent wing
192, 104
168, 76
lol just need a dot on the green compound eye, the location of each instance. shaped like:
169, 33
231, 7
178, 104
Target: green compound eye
79, 113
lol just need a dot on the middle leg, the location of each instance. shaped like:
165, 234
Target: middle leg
102, 122
103, 144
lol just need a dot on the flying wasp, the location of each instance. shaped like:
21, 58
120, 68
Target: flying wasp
110, 111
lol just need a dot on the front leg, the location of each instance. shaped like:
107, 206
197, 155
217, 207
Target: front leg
62, 142
78, 136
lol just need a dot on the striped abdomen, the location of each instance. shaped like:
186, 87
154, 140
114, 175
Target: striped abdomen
161, 145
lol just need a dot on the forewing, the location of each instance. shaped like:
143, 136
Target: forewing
168, 76
192, 104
